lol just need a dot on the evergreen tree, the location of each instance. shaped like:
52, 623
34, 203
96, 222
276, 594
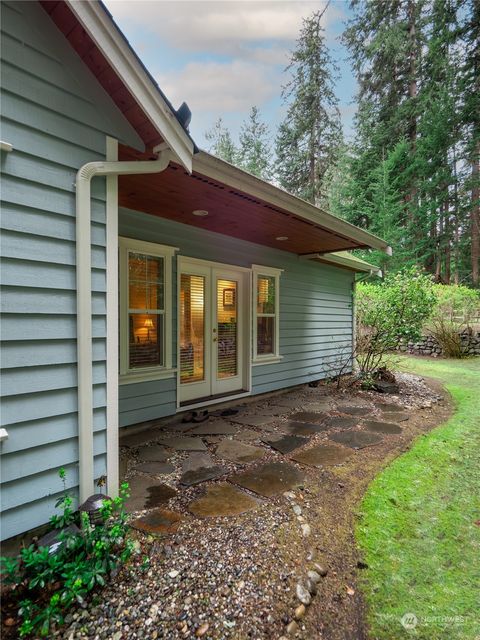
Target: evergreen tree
308, 139
254, 152
471, 128
417, 65
221, 143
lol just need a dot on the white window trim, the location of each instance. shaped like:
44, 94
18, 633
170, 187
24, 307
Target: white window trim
161, 251
270, 358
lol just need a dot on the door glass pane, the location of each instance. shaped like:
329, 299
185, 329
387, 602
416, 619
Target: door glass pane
265, 335
192, 328
227, 339
145, 340
265, 294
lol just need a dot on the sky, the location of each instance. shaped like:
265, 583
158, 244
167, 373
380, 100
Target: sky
225, 56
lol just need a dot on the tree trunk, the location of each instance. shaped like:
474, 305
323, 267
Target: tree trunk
475, 217
456, 220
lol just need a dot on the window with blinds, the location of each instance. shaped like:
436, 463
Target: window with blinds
227, 329
146, 310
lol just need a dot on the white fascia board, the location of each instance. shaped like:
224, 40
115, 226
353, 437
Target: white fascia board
112, 44
236, 178
345, 261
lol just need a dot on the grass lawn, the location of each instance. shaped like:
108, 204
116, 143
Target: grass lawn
419, 528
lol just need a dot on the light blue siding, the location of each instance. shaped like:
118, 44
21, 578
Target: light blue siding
57, 117
315, 312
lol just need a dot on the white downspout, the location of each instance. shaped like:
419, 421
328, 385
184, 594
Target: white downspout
84, 298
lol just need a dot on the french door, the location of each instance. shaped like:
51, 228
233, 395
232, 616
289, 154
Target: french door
213, 313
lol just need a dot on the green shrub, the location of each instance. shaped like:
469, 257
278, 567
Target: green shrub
457, 308
457, 303
390, 312
47, 584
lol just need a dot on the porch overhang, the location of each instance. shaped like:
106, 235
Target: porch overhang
241, 206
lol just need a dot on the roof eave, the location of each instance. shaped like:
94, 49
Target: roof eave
347, 261
217, 169
111, 42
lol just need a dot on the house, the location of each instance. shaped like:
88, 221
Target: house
141, 277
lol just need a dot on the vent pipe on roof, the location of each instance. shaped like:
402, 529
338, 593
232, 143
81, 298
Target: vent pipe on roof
184, 115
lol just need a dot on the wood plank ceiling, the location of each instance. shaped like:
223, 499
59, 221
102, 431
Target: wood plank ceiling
174, 194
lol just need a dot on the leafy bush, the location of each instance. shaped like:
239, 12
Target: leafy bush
389, 312
456, 309
46, 584
457, 303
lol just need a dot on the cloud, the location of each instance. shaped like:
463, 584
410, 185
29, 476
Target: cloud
220, 87
221, 27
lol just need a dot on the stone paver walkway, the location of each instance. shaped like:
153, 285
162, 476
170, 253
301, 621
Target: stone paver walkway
236, 459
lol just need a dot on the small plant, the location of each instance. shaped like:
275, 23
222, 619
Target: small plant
47, 583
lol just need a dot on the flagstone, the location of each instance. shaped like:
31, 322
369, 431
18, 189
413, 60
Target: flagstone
239, 451
286, 444
302, 428
387, 407
197, 460
319, 406
247, 435
382, 427
254, 420
159, 521
339, 422
397, 416
147, 493
309, 416
155, 453
322, 455
183, 443
202, 474
155, 468
269, 479
290, 402
223, 499
273, 410
356, 439
215, 428
355, 411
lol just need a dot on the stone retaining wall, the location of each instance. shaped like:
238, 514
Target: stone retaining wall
428, 346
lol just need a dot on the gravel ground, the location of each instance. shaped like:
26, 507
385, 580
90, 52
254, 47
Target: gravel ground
246, 576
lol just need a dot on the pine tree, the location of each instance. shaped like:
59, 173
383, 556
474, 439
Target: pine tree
221, 143
471, 128
308, 139
254, 154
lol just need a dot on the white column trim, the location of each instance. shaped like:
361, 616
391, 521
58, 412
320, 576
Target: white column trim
112, 323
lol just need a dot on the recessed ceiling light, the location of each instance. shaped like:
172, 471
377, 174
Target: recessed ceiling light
281, 238
201, 213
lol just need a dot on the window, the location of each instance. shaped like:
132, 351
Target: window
145, 310
266, 314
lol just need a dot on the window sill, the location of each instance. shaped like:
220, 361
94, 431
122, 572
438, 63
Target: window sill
146, 376
267, 360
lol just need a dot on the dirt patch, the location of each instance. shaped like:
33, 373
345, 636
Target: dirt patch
334, 614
